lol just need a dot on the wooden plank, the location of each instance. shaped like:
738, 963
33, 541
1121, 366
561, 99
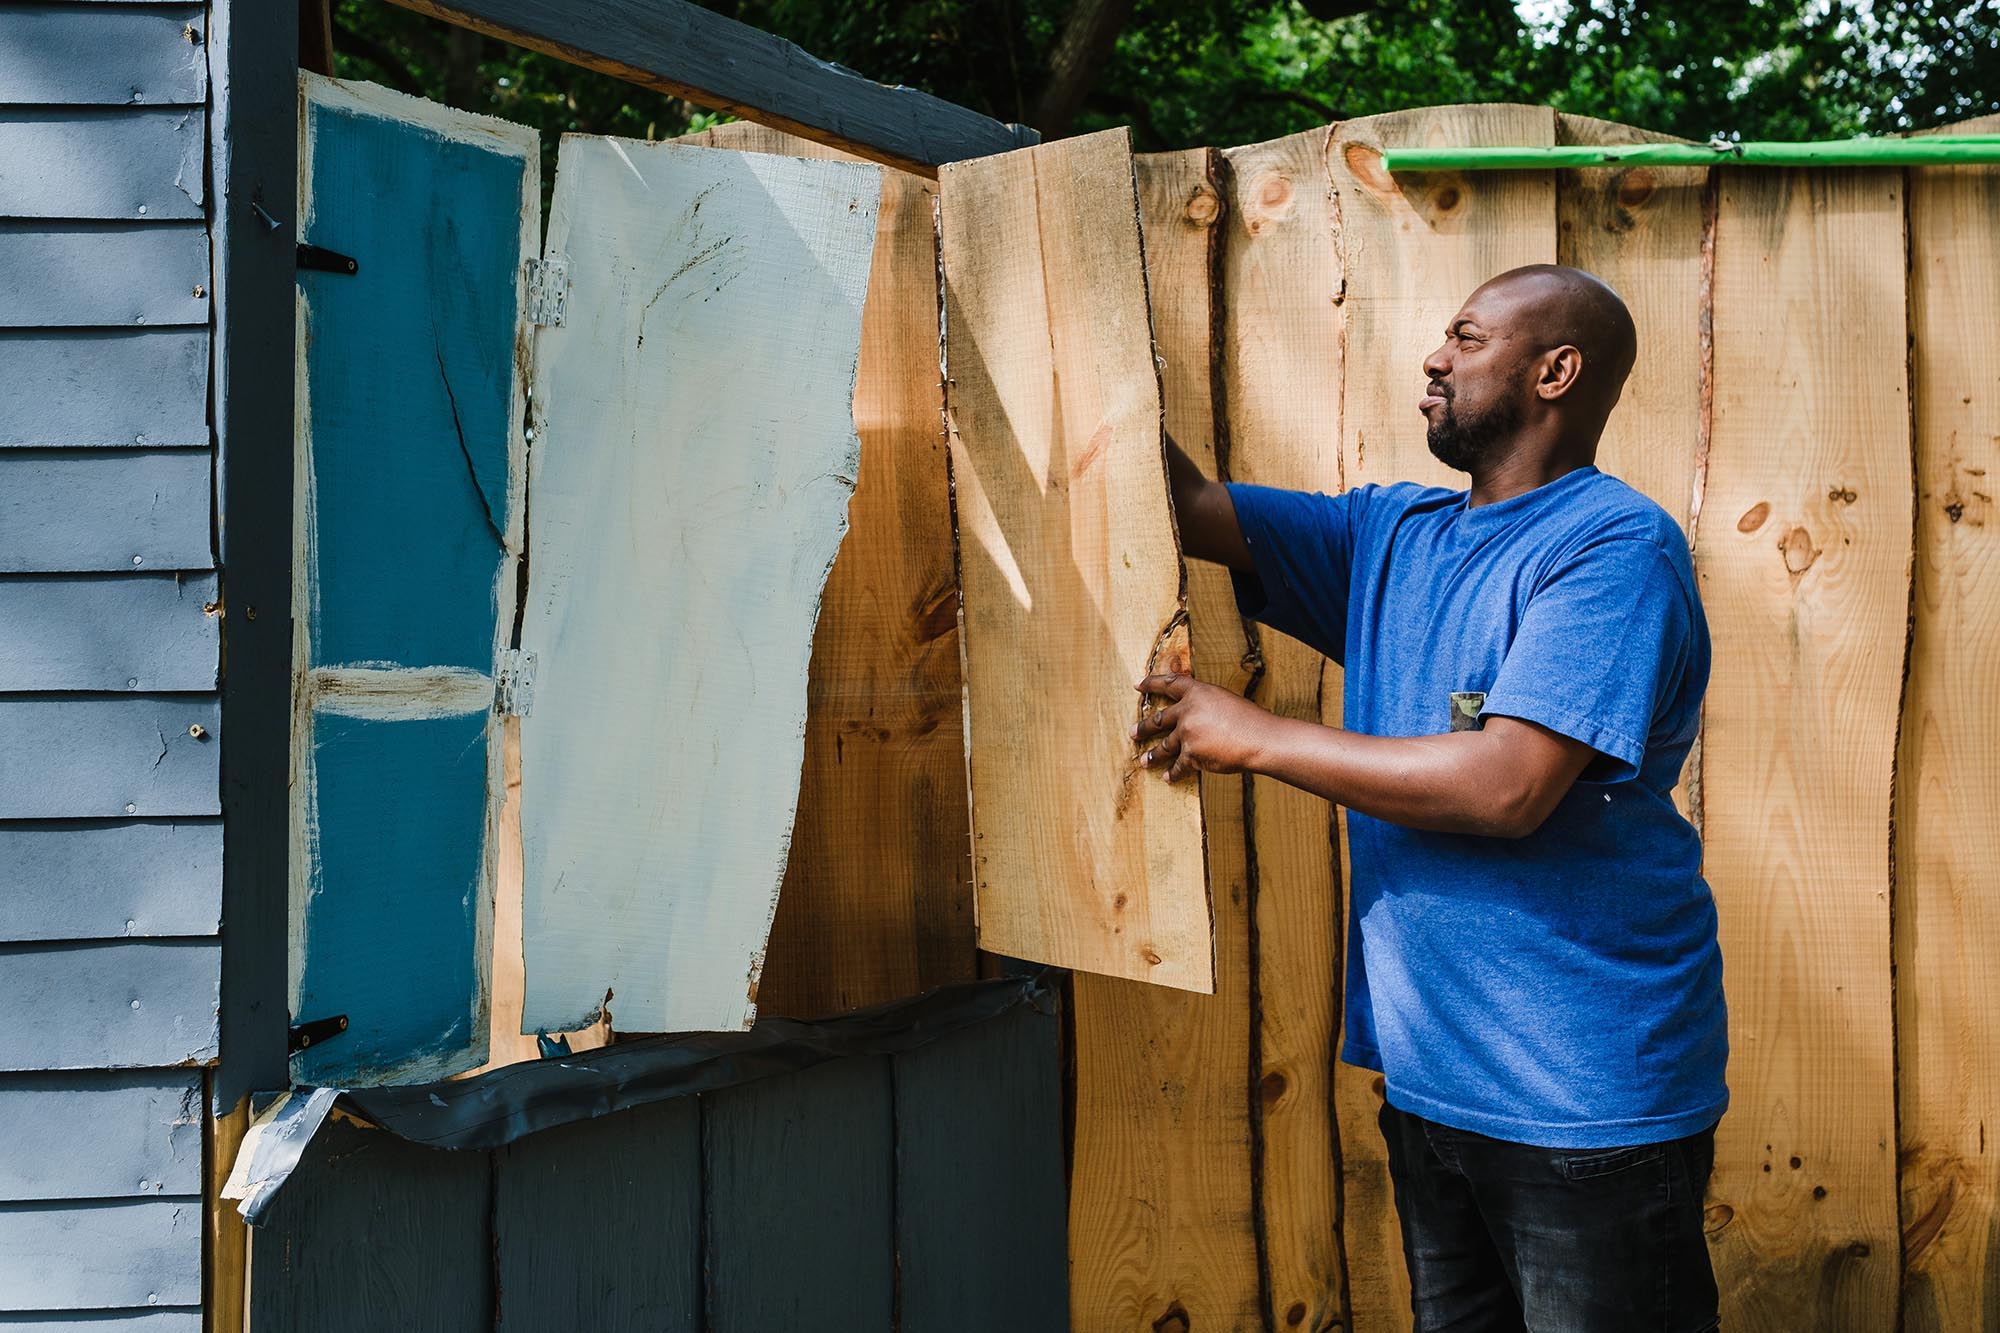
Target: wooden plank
114, 273
101, 162
801, 1167
132, 1004
571, 1207
100, 1135
1282, 352
1947, 907
412, 1220
1161, 1214
104, 510
99, 879
226, 1256
84, 758
1803, 555
714, 61
110, 632
93, 1256
1073, 582
66, 54
689, 717
980, 1241
133, 387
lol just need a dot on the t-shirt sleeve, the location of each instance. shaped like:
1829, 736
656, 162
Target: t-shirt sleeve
1600, 652
1302, 543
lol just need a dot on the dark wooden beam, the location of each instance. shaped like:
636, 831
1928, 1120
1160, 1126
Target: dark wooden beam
716, 62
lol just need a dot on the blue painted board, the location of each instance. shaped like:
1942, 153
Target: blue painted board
139, 388
81, 1256
127, 1005
104, 509
115, 632
100, 1135
63, 53
103, 274
184, 1320
102, 162
88, 879
104, 756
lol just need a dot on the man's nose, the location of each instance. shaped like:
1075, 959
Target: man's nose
1436, 366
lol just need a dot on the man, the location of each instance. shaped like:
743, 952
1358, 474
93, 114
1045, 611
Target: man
1532, 959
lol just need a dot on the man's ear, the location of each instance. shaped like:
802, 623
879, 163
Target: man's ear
1561, 367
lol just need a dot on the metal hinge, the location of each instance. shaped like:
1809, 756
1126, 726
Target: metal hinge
514, 687
548, 290
322, 260
318, 1030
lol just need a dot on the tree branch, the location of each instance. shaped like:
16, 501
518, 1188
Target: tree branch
1087, 38
366, 48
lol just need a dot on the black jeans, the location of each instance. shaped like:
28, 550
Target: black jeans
1501, 1235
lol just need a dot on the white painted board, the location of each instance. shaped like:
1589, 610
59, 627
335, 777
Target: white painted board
693, 456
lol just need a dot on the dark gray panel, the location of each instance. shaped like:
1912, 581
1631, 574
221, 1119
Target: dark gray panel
102, 163
80, 879
981, 1209
106, 509
154, 632
130, 1321
63, 53
145, 388
68, 758
100, 1255
90, 1135
102, 274
598, 1225
799, 1201
131, 1005
374, 1233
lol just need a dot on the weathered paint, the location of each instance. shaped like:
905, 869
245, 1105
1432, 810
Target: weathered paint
101, 163
138, 388
99, 879
100, 1135
103, 757
186, 1320
116, 632
130, 1004
55, 54
697, 450
113, 509
101, 1255
398, 694
103, 274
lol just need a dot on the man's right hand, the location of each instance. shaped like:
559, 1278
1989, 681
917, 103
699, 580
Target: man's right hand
1205, 514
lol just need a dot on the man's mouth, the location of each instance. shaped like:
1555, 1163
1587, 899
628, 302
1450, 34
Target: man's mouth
1433, 397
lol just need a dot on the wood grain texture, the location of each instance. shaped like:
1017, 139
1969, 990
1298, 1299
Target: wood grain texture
1413, 247
125, 1005
226, 1256
1160, 1181
1803, 556
801, 1167
100, 274
102, 162
1072, 576
597, 1225
694, 493
104, 510
100, 1135
1947, 902
104, 879
103, 757
66, 54
115, 633
877, 897
1283, 348
100, 1256
143, 388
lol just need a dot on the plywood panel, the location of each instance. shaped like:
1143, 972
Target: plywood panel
115, 633
82, 758
54, 54
103, 879
104, 510
1161, 1217
95, 1256
99, 274
100, 1135
102, 163
1072, 576
1282, 354
1947, 904
132, 1004
1803, 555
695, 453
144, 388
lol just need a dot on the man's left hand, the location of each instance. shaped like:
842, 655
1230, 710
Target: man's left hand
1202, 727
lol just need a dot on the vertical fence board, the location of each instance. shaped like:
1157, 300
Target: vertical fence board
1282, 354
1947, 900
1160, 1188
1803, 555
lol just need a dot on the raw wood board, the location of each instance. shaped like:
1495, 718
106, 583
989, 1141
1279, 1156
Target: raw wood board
1072, 578
1803, 555
694, 457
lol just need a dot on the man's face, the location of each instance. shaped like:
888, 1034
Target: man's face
1477, 380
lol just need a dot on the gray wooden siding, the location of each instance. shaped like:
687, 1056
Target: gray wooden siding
110, 635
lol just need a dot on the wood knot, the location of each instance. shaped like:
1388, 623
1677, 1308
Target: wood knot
1799, 552
1842, 495
1204, 206
1858, 1249
1753, 517
1364, 163
1634, 187
1151, 955
1175, 1320
1715, 1217
1118, 903
1267, 202
1272, 1087
1296, 1315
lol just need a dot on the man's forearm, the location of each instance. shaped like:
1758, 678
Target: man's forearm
1205, 513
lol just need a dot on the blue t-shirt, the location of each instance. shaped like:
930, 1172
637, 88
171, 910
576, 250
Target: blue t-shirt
1562, 989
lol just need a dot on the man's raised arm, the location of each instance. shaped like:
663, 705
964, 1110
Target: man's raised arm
1205, 513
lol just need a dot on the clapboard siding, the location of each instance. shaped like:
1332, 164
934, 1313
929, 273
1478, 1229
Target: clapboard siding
154, 632
85, 757
102, 879
146, 1321
91, 54
145, 388
117, 509
100, 1135
100, 1255
101, 162
72, 274
131, 1004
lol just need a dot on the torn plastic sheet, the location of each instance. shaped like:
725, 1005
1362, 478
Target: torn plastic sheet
509, 1103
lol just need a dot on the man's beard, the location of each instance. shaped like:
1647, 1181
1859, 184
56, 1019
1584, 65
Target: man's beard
1463, 443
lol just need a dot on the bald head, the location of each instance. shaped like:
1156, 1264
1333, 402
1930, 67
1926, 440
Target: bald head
1557, 306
